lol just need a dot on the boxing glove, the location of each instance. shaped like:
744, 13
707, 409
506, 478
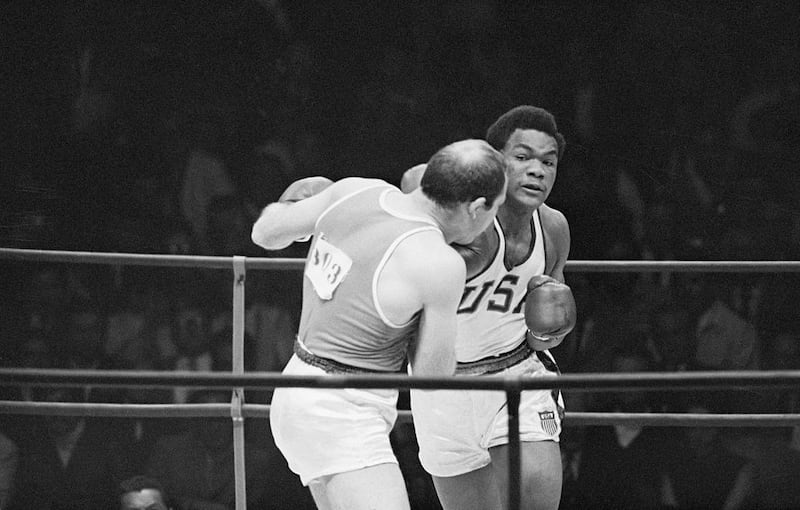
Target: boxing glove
550, 311
304, 188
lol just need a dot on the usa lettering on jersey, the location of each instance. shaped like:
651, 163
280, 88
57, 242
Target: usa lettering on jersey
495, 296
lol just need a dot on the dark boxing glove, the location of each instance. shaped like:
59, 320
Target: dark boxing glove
550, 310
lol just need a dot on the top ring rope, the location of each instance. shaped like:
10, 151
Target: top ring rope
609, 266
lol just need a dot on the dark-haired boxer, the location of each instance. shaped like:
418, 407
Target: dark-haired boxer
515, 307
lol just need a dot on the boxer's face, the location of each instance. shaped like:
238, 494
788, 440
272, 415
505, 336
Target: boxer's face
532, 160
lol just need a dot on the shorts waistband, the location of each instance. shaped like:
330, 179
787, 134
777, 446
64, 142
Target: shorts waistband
328, 365
492, 364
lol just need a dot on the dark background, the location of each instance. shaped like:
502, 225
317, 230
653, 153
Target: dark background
105, 100
165, 127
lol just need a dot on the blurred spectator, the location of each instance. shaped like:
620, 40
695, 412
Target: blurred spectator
81, 345
571, 441
9, 459
142, 493
196, 467
296, 81
273, 328
138, 328
301, 149
191, 335
205, 177
390, 108
228, 227
149, 213
777, 304
765, 119
726, 477
269, 332
222, 351
659, 231
616, 316
179, 238
75, 463
137, 436
44, 302
624, 466
725, 339
33, 352
140, 338
611, 229
776, 468
782, 352
671, 331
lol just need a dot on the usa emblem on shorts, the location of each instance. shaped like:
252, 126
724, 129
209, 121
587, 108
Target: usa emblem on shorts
548, 420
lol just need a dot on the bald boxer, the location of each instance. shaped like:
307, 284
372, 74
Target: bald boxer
514, 308
380, 271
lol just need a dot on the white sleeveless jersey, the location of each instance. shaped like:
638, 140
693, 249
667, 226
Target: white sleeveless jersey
491, 317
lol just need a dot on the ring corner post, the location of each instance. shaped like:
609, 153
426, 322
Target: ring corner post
513, 395
237, 397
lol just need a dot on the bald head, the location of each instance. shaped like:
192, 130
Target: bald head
469, 152
464, 171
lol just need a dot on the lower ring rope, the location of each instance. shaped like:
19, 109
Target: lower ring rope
262, 411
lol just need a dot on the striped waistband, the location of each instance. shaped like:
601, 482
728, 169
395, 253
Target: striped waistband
331, 366
492, 364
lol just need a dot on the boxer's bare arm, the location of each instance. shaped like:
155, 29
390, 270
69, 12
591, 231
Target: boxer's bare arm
294, 216
433, 276
556, 228
444, 284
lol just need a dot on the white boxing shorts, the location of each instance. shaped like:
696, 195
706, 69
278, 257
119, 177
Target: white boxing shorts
323, 431
455, 429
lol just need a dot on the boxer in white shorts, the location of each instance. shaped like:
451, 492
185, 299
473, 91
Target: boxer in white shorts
327, 431
514, 308
455, 429
380, 271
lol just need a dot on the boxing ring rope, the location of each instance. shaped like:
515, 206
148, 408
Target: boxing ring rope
207, 262
573, 419
237, 380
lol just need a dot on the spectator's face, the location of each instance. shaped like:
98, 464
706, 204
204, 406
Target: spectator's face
145, 499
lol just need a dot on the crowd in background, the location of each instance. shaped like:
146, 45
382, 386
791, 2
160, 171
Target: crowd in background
144, 128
